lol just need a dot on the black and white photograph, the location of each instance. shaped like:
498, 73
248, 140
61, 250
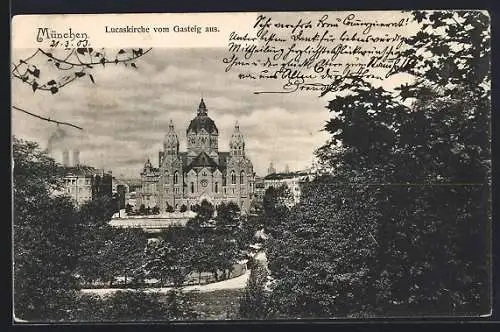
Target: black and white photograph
251, 166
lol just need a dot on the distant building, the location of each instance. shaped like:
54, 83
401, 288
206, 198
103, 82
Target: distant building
259, 188
271, 169
293, 180
84, 183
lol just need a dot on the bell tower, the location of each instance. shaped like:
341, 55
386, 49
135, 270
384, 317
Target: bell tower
237, 143
171, 142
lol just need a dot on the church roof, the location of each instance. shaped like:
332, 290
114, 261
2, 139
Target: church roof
202, 121
203, 160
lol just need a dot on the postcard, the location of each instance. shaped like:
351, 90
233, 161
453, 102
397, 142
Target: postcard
251, 166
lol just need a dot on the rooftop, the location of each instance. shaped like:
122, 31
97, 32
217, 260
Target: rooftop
284, 176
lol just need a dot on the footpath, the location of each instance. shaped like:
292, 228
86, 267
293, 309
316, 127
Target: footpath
233, 283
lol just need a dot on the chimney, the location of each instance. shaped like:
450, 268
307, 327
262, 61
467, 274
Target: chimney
66, 158
76, 158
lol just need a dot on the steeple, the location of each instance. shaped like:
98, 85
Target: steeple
202, 108
171, 142
237, 143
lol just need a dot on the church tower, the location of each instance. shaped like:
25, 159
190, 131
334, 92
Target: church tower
171, 142
237, 143
171, 179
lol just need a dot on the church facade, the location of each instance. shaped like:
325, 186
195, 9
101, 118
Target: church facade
201, 172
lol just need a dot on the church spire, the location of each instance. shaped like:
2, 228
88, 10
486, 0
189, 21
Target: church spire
202, 108
171, 141
237, 143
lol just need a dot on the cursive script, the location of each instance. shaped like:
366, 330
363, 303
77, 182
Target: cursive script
317, 52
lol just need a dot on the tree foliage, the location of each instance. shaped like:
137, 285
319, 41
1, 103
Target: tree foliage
45, 253
130, 306
253, 300
276, 207
402, 225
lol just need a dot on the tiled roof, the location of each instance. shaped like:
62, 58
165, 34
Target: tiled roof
202, 122
82, 170
283, 176
203, 160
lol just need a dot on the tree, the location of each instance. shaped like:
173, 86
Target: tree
319, 260
253, 300
170, 208
122, 255
277, 203
168, 260
129, 209
132, 306
155, 210
354, 244
183, 208
93, 234
204, 214
44, 249
142, 209
227, 216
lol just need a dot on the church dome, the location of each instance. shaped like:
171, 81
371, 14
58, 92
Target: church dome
202, 121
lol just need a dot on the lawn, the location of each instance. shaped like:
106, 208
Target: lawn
216, 305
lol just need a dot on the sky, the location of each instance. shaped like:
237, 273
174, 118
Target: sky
125, 114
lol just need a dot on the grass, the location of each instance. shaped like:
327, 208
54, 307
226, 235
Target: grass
216, 305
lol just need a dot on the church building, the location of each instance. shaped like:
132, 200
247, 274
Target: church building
201, 172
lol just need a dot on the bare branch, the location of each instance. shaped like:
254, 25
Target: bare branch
46, 119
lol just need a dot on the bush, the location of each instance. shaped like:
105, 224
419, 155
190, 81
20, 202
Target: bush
253, 301
132, 306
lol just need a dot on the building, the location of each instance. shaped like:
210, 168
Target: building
271, 169
201, 172
293, 180
84, 183
260, 189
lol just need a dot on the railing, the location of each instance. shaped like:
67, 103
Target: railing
148, 222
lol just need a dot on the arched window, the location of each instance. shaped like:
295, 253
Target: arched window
176, 177
242, 177
233, 178
192, 187
216, 187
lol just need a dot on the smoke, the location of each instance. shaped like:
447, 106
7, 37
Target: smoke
64, 148
57, 139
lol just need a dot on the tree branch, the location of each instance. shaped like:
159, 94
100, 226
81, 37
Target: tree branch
106, 61
46, 119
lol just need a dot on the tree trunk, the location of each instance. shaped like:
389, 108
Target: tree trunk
199, 278
125, 278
